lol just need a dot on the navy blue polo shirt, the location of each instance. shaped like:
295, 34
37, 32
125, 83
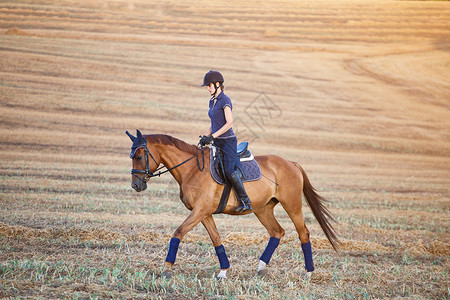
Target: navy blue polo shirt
217, 115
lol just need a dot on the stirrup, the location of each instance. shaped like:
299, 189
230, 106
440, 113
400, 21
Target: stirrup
244, 207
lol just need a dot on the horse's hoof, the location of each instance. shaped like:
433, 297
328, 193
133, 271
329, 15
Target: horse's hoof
263, 272
307, 276
222, 275
167, 274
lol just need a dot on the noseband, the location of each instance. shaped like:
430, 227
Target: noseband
149, 174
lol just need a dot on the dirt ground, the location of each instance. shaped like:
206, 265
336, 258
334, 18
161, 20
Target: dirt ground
357, 92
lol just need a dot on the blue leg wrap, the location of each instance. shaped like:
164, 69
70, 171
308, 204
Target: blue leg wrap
223, 259
307, 253
271, 246
173, 249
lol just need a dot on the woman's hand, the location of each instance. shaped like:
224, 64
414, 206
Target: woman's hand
205, 140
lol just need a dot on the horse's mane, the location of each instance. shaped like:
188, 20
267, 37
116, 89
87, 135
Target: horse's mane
170, 140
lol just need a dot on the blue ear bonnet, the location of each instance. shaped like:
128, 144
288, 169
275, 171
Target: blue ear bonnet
138, 142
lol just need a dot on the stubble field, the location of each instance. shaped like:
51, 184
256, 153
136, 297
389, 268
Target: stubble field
357, 92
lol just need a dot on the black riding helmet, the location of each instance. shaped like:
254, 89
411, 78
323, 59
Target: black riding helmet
211, 77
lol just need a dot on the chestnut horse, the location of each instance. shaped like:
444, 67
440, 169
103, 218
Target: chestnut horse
282, 182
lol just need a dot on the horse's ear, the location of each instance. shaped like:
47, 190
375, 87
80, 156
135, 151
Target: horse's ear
132, 138
139, 134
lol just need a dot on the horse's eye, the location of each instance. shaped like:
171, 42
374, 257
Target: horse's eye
138, 157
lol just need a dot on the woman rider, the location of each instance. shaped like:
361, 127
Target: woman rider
221, 132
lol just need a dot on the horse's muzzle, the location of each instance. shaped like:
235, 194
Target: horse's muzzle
139, 186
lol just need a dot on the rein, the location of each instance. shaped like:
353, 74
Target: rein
149, 174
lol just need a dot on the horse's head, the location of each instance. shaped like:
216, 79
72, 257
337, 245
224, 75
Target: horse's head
143, 166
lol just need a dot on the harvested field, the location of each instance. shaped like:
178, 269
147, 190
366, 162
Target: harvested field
357, 92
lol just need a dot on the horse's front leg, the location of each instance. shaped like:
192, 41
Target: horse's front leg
195, 217
210, 226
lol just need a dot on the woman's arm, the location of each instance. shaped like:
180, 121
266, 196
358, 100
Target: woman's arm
208, 132
228, 124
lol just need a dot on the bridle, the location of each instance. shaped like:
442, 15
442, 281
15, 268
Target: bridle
149, 174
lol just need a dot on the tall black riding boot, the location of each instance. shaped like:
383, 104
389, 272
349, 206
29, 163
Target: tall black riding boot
240, 192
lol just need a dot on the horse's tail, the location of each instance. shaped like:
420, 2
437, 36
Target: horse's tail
322, 214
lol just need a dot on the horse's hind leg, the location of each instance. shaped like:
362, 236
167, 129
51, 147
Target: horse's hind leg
294, 210
276, 232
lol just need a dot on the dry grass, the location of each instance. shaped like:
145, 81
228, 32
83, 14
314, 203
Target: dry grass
361, 95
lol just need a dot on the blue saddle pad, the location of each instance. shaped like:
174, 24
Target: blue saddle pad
249, 167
